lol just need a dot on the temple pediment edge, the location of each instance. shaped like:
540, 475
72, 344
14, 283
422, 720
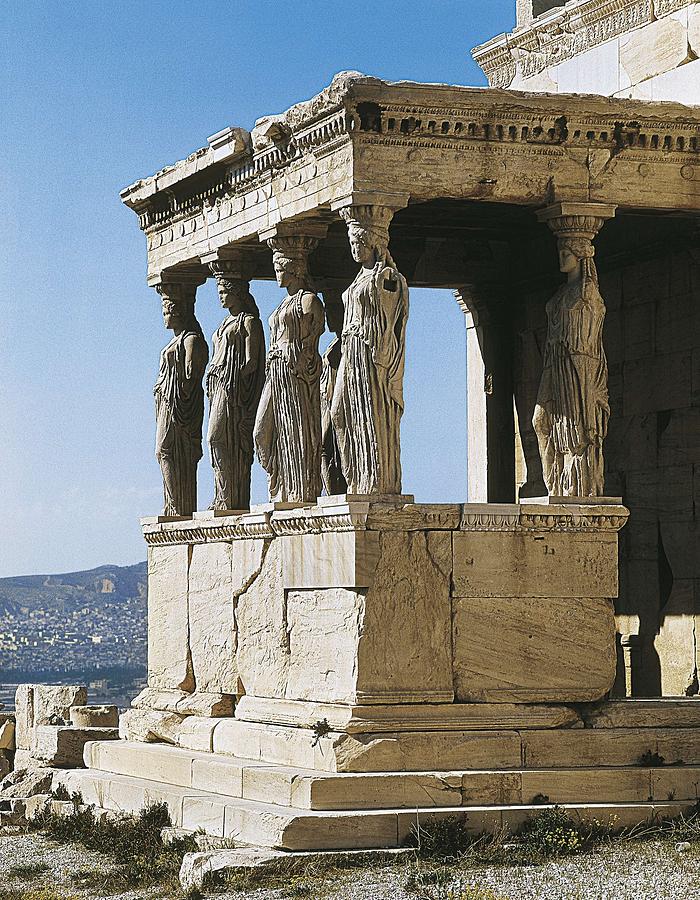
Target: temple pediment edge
431, 142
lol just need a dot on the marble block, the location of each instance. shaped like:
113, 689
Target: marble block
328, 609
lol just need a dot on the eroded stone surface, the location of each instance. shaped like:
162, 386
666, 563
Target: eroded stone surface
169, 660
44, 704
149, 725
211, 619
196, 704
94, 716
520, 650
62, 746
403, 654
263, 643
659, 47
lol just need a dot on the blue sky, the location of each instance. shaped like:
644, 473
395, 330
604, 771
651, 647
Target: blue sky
94, 95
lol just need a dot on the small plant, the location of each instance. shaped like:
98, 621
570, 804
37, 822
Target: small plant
28, 871
320, 729
540, 800
60, 793
651, 759
133, 842
554, 833
446, 838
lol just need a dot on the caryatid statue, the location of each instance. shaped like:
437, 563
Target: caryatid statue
179, 399
234, 385
572, 410
288, 424
368, 397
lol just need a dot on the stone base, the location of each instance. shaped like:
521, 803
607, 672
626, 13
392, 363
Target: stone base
390, 660
266, 791
377, 601
405, 717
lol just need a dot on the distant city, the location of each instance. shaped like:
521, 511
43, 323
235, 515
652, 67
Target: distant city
82, 627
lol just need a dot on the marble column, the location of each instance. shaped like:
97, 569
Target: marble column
491, 473
179, 395
572, 409
331, 465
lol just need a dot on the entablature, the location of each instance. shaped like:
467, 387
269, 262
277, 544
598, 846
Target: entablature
431, 142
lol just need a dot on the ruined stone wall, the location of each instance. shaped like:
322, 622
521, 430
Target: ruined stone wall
641, 49
652, 451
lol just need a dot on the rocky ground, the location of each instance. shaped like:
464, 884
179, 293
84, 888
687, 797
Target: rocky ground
32, 867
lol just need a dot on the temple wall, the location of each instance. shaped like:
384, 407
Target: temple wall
633, 49
652, 455
656, 62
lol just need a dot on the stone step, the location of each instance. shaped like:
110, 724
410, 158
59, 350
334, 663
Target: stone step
272, 825
304, 789
662, 712
421, 751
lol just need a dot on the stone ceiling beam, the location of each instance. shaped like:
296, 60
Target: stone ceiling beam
365, 137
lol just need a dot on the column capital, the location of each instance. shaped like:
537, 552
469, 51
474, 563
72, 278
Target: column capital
229, 262
484, 299
299, 228
392, 201
569, 218
188, 278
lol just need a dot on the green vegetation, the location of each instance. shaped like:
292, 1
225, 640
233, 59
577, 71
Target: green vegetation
28, 871
134, 844
34, 894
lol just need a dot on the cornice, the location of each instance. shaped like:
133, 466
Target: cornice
355, 516
563, 33
361, 113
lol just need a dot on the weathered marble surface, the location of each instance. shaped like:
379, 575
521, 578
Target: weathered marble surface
43, 704
288, 424
353, 603
169, 656
179, 399
234, 385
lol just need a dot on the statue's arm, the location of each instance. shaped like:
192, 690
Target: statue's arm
253, 340
195, 358
312, 308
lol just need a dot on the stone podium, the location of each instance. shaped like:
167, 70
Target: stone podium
325, 676
355, 610
326, 672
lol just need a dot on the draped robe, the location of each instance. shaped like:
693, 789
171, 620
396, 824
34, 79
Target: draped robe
288, 424
234, 386
179, 403
368, 398
573, 391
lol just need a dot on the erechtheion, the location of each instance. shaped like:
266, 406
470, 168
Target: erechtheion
328, 666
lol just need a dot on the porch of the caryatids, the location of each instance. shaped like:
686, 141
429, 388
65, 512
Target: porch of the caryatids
288, 425
179, 395
572, 410
368, 400
234, 382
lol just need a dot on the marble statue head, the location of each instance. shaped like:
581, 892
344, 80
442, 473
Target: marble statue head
368, 233
290, 260
178, 306
235, 296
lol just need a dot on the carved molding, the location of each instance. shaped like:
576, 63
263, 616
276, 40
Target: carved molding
166, 215
388, 517
563, 33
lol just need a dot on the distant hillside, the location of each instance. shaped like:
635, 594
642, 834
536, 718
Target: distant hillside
76, 621
105, 585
